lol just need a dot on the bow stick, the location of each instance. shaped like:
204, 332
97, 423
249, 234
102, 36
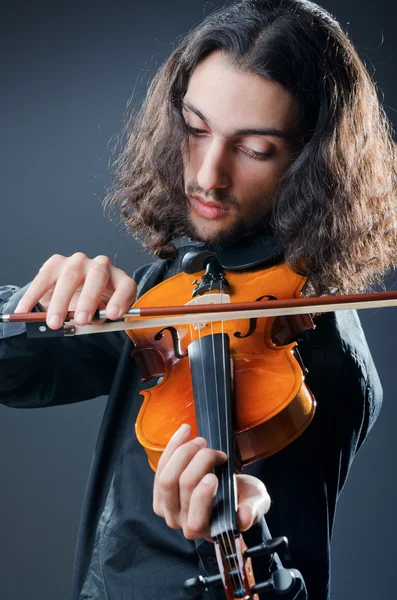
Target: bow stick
195, 313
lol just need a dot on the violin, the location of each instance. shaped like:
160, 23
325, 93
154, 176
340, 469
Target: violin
239, 384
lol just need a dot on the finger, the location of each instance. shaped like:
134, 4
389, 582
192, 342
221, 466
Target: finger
180, 437
200, 510
166, 487
125, 289
72, 275
202, 463
41, 284
253, 501
95, 282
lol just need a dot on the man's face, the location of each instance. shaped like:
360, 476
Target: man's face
242, 137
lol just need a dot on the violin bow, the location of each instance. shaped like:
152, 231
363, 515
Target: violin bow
141, 318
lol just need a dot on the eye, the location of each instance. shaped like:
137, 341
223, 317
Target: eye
256, 155
195, 131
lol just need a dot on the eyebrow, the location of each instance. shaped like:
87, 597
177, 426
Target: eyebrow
266, 131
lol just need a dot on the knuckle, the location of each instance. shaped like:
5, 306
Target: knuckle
166, 484
119, 273
266, 502
207, 456
102, 260
54, 259
131, 286
125, 279
185, 451
126, 291
78, 256
172, 521
157, 509
207, 453
49, 269
190, 533
187, 482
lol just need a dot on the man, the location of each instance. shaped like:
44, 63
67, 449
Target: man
261, 132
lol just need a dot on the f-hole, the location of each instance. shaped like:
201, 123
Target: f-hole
253, 320
175, 340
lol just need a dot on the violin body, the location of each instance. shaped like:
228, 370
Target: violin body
271, 405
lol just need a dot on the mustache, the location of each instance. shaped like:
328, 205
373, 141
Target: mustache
218, 195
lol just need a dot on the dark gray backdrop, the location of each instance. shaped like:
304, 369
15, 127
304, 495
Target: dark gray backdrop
67, 70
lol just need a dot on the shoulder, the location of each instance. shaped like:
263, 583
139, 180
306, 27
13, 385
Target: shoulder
338, 333
342, 332
154, 272
150, 275
342, 374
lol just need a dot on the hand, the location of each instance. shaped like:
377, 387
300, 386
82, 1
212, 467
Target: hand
185, 487
81, 284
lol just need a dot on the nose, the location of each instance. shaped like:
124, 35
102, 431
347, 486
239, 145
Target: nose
214, 171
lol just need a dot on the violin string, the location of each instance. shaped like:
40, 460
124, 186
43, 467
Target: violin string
198, 325
232, 507
232, 480
210, 441
221, 521
204, 384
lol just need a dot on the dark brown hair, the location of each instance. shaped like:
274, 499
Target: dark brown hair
335, 206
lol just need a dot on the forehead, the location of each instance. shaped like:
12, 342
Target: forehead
233, 99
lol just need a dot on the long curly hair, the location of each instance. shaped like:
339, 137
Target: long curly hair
335, 206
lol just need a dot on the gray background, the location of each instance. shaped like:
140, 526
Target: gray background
67, 70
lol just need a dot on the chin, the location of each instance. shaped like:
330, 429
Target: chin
217, 236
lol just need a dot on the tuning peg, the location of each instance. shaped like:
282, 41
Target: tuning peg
280, 582
278, 544
195, 586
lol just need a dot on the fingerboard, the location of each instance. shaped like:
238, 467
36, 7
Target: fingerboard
211, 376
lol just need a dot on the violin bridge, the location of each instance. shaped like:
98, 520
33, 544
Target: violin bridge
209, 298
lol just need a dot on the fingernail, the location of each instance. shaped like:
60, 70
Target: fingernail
82, 316
54, 320
183, 429
112, 312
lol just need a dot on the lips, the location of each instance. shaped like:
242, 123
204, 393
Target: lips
208, 209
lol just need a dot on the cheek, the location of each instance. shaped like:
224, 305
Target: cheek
256, 192
191, 163
261, 177
251, 182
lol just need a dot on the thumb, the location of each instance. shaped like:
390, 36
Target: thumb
253, 501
